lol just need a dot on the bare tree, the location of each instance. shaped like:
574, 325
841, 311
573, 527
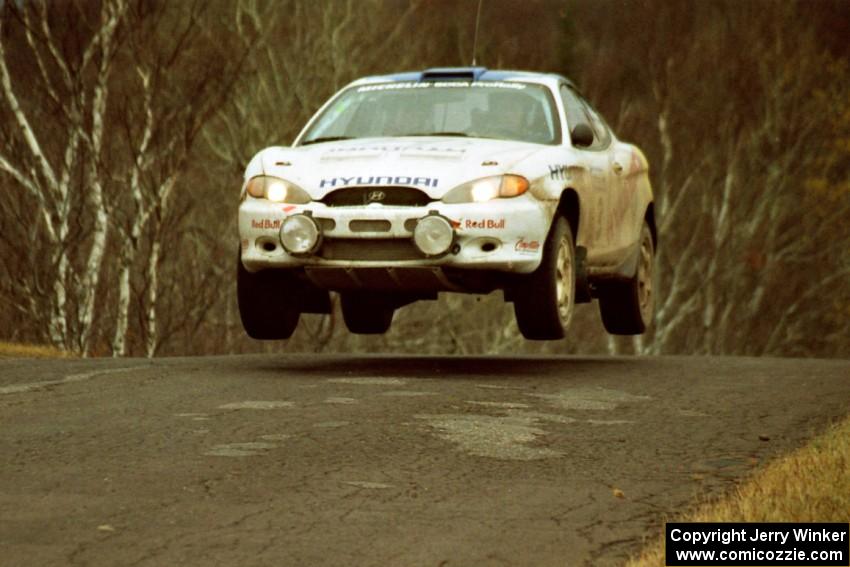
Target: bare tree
733, 150
122, 96
160, 131
75, 87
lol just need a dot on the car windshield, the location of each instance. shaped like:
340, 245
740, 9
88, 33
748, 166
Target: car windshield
483, 109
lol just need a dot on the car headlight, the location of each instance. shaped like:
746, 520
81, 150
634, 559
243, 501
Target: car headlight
277, 190
488, 188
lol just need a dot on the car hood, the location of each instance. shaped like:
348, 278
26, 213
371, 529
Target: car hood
433, 164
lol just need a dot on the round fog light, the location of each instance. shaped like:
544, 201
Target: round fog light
299, 234
433, 235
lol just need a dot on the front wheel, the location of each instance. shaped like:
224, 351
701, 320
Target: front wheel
544, 300
266, 303
366, 314
627, 306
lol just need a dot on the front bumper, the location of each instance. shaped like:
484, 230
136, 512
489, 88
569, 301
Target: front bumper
504, 235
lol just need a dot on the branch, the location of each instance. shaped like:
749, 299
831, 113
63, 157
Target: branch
682, 311
51, 46
792, 309
32, 189
21, 118
19, 176
401, 27
109, 21
45, 76
671, 211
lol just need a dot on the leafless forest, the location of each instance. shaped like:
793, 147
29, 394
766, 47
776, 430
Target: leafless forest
125, 126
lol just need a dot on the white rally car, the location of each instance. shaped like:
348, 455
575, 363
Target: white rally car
460, 179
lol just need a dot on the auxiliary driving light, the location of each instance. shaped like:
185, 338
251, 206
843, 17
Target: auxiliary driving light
433, 235
299, 234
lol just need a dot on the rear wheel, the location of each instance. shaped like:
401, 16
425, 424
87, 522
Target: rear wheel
366, 314
627, 306
544, 300
265, 303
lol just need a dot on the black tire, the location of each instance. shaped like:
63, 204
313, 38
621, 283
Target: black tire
627, 306
545, 299
366, 314
264, 303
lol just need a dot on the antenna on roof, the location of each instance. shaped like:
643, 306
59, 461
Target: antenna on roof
475, 39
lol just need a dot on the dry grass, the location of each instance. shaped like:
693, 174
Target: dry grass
811, 484
14, 350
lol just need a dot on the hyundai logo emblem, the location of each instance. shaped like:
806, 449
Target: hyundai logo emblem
375, 196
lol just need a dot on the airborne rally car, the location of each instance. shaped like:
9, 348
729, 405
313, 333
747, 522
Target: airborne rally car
460, 179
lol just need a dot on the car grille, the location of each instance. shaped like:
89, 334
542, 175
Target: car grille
369, 249
394, 196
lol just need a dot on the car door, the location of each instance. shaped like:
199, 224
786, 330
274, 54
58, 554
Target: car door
595, 161
620, 222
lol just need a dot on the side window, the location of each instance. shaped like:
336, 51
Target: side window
600, 129
578, 111
573, 108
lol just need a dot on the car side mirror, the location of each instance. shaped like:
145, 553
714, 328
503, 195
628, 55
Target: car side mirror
582, 136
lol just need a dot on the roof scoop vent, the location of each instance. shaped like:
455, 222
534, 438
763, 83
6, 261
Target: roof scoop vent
453, 74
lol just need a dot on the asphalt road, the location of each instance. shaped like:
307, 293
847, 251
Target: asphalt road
390, 461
